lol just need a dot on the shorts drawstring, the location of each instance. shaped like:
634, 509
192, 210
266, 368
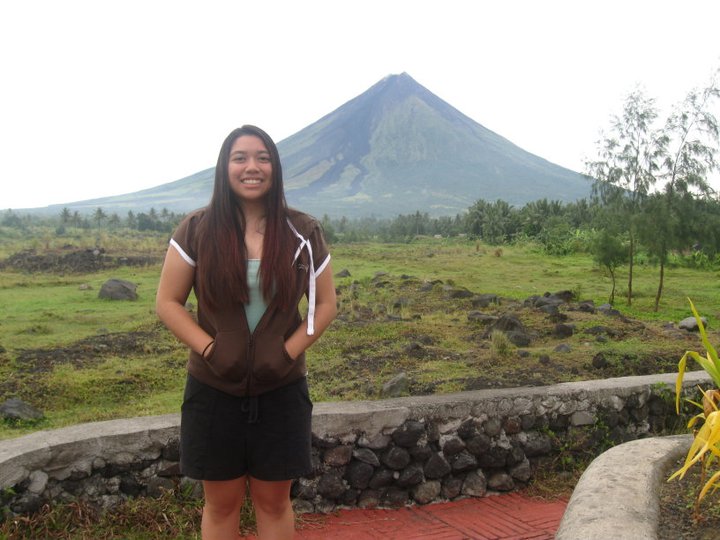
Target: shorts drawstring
250, 405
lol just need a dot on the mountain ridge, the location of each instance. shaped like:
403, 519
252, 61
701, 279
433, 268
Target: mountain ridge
396, 148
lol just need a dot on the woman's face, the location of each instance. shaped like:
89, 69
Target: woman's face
250, 168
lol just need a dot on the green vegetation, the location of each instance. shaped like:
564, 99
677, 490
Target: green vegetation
81, 358
705, 448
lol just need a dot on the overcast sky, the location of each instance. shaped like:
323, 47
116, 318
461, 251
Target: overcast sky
102, 98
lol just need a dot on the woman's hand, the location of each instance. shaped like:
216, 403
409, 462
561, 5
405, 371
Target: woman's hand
176, 281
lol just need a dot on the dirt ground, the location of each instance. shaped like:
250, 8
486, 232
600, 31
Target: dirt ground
72, 260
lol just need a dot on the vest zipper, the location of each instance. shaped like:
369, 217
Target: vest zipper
251, 361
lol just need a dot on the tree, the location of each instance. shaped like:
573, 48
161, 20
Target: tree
657, 231
65, 216
629, 161
131, 220
99, 216
608, 251
691, 138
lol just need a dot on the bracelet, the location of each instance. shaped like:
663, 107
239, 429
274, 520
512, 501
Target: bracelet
206, 349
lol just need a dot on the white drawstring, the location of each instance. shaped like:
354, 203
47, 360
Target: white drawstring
304, 243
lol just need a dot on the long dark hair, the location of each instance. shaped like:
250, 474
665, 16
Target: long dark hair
222, 257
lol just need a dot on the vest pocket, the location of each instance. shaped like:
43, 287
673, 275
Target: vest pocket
272, 361
229, 356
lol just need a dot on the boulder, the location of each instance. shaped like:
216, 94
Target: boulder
118, 289
17, 409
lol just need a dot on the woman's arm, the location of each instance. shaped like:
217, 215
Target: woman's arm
325, 311
176, 281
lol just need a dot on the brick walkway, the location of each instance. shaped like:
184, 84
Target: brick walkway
511, 516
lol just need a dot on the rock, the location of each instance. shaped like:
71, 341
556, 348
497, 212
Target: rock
501, 481
421, 453
451, 487
522, 472
551, 309
118, 289
599, 361
377, 442
408, 434
512, 425
396, 458
366, 456
331, 485
690, 324
396, 386
381, 478
394, 497
537, 444
480, 317
430, 285
506, 323
350, 497
415, 350
607, 309
130, 486
460, 293
492, 427
338, 456
563, 331
519, 338
157, 486
452, 446
467, 430
436, 467
411, 476
474, 484
301, 506
563, 348
343, 273
38, 482
479, 444
358, 474
304, 489
464, 461
370, 498
495, 457
601, 330
426, 492
484, 300
17, 409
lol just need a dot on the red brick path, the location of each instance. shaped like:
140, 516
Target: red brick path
511, 516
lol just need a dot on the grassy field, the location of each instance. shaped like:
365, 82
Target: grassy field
80, 358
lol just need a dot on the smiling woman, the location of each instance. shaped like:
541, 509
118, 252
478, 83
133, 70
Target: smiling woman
246, 414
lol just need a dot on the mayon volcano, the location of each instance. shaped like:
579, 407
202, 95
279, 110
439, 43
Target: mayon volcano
395, 149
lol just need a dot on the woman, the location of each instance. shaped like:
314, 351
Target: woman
246, 410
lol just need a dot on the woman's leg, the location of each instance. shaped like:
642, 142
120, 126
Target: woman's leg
221, 513
273, 509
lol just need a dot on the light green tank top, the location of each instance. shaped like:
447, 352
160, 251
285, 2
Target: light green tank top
255, 308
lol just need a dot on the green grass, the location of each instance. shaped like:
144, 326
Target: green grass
113, 359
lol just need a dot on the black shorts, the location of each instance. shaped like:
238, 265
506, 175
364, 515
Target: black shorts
268, 437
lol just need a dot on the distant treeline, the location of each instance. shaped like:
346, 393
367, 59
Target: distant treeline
555, 227
163, 221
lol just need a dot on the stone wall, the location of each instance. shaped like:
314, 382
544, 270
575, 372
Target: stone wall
372, 453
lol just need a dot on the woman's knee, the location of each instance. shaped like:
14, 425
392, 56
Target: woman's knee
271, 498
223, 499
